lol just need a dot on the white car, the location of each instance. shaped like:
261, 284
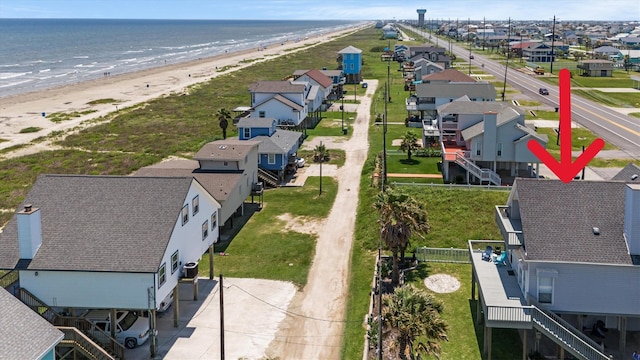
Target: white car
166, 303
300, 162
132, 330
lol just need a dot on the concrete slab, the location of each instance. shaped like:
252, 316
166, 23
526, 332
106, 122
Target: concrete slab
253, 310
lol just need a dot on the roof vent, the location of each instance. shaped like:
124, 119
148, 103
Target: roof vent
222, 147
634, 176
28, 208
596, 230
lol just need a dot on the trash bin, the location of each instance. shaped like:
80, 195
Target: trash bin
191, 270
344, 130
556, 109
44, 114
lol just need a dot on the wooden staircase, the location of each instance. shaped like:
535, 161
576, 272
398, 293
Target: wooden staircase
88, 340
268, 178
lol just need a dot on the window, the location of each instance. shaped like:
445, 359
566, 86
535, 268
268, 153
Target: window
499, 150
214, 221
478, 148
225, 163
261, 114
272, 158
185, 214
174, 262
545, 290
196, 204
247, 132
205, 229
351, 66
162, 275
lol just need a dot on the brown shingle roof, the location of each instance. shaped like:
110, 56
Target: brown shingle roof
275, 86
452, 75
320, 78
228, 149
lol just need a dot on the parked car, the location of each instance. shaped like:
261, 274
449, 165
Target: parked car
543, 91
166, 303
132, 329
471, 57
300, 162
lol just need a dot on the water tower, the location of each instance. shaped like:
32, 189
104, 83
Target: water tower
421, 13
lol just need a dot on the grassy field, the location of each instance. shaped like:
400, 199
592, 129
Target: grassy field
264, 249
579, 137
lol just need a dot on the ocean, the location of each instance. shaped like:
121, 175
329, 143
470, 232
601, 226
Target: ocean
43, 53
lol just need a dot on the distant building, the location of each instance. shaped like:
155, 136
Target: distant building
350, 59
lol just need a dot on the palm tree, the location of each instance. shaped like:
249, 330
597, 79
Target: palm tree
411, 313
400, 216
320, 153
223, 116
409, 144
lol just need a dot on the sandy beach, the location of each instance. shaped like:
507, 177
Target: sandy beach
26, 110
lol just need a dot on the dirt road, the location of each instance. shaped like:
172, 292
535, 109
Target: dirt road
316, 332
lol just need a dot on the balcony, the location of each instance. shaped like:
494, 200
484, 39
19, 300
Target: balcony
511, 229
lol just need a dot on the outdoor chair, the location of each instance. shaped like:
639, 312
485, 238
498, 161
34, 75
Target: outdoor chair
486, 255
502, 259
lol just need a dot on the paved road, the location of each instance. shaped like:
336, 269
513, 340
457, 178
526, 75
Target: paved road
618, 129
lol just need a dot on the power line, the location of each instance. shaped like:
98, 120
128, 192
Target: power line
291, 312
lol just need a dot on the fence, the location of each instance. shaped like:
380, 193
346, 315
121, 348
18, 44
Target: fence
455, 186
451, 255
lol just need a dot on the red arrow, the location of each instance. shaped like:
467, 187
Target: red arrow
565, 169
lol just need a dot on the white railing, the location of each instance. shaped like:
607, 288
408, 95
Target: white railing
475, 170
509, 313
514, 237
565, 337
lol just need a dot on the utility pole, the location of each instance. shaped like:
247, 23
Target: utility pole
221, 319
506, 66
342, 107
553, 40
469, 39
484, 32
321, 160
383, 177
380, 299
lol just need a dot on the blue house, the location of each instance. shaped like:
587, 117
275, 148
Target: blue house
351, 61
277, 148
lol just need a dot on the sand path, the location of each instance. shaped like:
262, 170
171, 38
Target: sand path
315, 332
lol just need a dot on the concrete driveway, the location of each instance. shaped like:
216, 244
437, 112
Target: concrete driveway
253, 310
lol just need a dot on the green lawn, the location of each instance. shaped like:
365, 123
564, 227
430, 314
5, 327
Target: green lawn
579, 137
622, 99
397, 163
264, 248
331, 125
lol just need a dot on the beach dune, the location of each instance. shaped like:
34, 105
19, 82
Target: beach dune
28, 110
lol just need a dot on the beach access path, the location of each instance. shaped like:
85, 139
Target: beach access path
314, 325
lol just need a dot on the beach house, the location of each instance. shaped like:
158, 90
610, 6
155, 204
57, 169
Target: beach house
285, 101
227, 169
573, 252
108, 242
485, 142
350, 62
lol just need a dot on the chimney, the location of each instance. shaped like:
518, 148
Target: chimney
29, 231
632, 218
490, 123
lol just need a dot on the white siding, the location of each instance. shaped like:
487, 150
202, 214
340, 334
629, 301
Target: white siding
89, 289
632, 218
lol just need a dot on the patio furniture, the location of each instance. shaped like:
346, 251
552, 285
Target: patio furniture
486, 255
501, 260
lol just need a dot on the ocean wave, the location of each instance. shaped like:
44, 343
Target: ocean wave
133, 52
10, 75
81, 57
15, 83
129, 60
9, 65
44, 70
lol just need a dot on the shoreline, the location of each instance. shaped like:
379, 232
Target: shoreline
21, 111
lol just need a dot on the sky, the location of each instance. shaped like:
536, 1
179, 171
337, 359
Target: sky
620, 10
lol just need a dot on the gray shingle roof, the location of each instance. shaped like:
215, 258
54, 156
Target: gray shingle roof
218, 184
100, 223
280, 142
25, 334
451, 75
466, 106
506, 115
456, 90
350, 50
256, 122
229, 149
276, 86
627, 172
531, 132
558, 220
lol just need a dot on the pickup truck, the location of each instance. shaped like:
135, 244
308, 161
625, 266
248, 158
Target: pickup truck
132, 330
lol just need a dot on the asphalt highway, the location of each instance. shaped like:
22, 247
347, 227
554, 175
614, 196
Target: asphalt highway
618, 129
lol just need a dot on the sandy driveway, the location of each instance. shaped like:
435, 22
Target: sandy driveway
315, 332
